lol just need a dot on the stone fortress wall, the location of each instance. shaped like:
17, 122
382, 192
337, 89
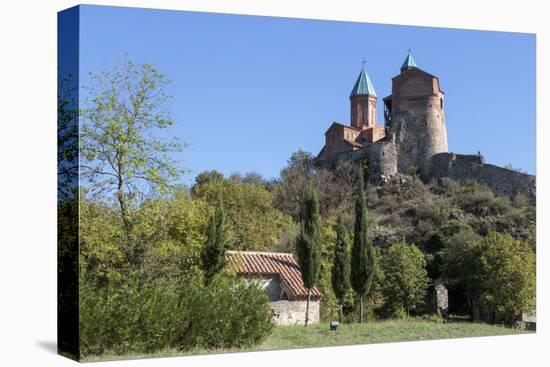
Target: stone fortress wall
463, 167
383, 158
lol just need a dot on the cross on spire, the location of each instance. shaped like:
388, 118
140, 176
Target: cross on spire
409, 62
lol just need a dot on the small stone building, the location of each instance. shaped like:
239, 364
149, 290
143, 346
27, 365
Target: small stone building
279, 274
440, 298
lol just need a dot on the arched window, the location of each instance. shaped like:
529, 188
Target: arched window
441, 103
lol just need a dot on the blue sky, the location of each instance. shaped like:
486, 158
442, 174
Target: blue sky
248, 91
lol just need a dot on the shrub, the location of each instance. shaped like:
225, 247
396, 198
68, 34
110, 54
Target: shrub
228, 313
445, 186
132, 316
128, 317
480, 200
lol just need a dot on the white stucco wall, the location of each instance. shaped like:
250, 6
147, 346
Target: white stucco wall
294, 312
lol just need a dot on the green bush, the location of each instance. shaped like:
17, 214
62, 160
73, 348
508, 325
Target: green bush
228, 313
128, 317
480, 200
132, 316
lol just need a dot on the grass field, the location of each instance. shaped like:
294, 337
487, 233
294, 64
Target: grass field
298, 336
319, 335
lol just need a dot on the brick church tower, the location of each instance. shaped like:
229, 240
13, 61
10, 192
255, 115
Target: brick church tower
362, 130
415, 118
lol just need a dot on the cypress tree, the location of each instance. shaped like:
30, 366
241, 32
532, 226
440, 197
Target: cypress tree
213, 255
341, 265
308, 246
362, 255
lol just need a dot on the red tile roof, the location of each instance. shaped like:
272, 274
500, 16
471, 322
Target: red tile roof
283, 265
340, 125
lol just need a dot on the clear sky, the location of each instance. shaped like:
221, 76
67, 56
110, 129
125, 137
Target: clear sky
248, 91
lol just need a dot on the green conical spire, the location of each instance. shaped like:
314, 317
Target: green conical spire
409, 62
363, 85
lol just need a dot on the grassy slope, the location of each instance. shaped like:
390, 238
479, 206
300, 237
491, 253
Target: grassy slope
298, 336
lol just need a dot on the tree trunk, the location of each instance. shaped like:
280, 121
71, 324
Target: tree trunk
361, 309
475, 312
307, 305
123, 209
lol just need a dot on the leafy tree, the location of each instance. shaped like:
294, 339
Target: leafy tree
102, 244
362, 255
252, 222
253, 178
308, 246
120, 152
436, 247
213, 256
406, 279
296, 179
461, 267
508, 274
172, 233
207, 177
302, 173
341, 265
497, 273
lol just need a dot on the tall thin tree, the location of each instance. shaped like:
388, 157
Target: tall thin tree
341, 265
308, 246
121, 149
213, 255
362, 254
